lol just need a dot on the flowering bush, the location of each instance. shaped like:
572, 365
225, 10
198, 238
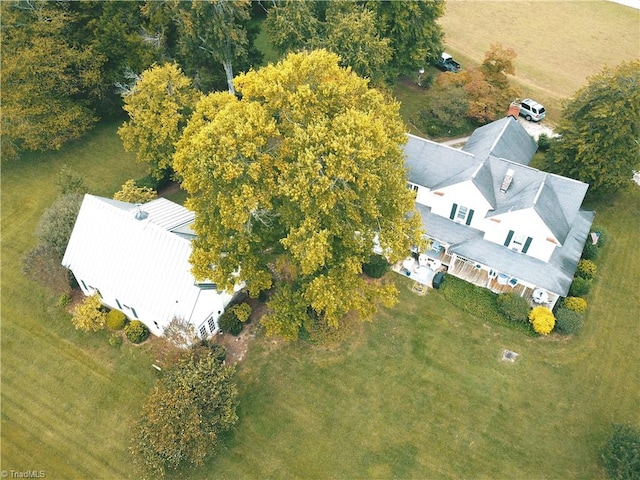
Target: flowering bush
88, 316
243, 311
576, 304
587, 269
542, 319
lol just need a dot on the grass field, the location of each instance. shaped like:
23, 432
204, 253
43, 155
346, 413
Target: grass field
419, 393
66, 396
559, 43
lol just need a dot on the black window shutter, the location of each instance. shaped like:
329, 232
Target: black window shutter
469, 217
527, 244
509, 237
119, 305
452, 215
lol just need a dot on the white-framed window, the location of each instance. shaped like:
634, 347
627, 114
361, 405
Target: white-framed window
461, 214
413, 187
203, 331
518, 242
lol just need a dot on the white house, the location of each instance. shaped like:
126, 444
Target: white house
493, 220
136, 257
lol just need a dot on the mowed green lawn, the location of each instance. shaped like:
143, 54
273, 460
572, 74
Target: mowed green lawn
419, 393
422, 393
67, 397
559, 43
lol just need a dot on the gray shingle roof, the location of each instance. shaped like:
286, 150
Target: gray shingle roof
504, 138
555, 276
429, 163
491, 151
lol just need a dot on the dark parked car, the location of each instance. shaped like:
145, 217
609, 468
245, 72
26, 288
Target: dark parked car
446, 63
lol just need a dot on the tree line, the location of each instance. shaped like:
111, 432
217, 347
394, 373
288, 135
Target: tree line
65, 64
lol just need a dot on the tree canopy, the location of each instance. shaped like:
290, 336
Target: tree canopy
159, 105
43, 76
183, 417
487, 88
378, 39
599, 132
621, 454
303, 172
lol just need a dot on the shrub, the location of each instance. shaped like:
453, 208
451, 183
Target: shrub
479, 302
568, 322
136, 331
591, 251
116, 320
542, 320
579, 287
64, 300
376, 267
88, 316
621, 454
544, 142
115, 340
219, 352
229, 322
587, 269
575, 304
513, 307
242, 311
42, 265
57, 222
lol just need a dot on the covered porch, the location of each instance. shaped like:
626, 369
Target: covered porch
497, 282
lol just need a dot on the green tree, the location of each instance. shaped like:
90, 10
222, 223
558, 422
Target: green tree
131, 193
621, 454
353, 36
43, 78
291, 24
159, 105
599, 132
117, 33
217, 29
413, 30
88, 315
183, 417
307, 166
56, 224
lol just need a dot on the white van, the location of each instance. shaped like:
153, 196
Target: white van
532, 110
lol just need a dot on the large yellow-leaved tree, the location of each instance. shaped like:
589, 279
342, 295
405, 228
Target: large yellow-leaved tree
293, 180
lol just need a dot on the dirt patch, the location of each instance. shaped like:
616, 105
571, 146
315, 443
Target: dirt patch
237, 346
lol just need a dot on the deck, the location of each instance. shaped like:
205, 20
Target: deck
468, 272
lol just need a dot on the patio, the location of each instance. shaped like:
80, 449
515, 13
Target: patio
421, 269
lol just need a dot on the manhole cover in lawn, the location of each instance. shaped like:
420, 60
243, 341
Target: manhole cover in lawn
509, 356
